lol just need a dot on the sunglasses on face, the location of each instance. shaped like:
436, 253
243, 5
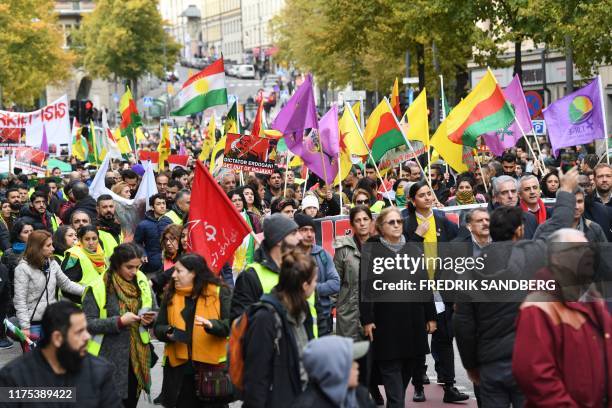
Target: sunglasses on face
362, 202
394, 222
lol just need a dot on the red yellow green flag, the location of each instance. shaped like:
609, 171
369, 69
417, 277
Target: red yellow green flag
484, 110
382, 132
130, 119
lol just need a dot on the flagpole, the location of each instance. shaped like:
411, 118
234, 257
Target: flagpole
480, 168
443, 100
340, 181
305, 183
346, 105
537, 143
286, 172
527, 139
408, 142
376, 168
605, 125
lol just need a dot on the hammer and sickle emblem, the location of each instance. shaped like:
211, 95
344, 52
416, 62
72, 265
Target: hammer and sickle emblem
211, 232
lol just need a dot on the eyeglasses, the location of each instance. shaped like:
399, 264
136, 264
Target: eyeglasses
362, 202
394, 222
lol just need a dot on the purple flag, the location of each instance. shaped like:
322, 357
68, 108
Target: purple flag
44, 145
319, 149
300, 111
576, 118
503, 139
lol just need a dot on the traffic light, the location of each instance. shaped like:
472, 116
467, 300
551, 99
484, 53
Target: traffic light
89, 111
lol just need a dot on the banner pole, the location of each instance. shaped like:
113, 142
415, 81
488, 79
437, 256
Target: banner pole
286, 172
605, 125
480, 168
305, 183
339, 182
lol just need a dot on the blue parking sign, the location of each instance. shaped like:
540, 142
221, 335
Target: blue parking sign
539, 126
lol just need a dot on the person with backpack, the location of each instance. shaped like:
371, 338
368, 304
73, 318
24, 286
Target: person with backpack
194, 323
279, 327
280, 234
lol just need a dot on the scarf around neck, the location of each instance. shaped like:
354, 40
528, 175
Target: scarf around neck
128, 295
97, 258
465, 197
540, 214
395, 247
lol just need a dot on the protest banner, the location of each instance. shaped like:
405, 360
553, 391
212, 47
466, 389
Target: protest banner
247, 153
55, 119
30, 160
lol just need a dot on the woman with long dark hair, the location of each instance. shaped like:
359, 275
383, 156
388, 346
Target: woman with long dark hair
280, 329
550, 185
118, 306
252, 199
194, 323
20, 232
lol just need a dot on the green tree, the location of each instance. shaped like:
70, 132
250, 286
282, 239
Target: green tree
125, 39
31, 53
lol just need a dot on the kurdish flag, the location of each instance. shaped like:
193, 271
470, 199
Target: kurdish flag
203, 90
382, 132
130, 119
415, 121
164, 147
484, 110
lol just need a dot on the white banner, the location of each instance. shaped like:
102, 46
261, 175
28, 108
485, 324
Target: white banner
55, 118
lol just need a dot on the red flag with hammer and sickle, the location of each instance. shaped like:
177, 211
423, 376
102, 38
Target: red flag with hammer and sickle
215, 228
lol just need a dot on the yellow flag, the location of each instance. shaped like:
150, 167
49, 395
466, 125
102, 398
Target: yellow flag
78, 150
216, 160
140, 137
349, 130
353, 138
415, 123
357, 110
122, 142
451, 153
209, 141
164, 147
296, 161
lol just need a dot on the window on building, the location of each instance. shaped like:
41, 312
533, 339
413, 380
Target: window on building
532, 75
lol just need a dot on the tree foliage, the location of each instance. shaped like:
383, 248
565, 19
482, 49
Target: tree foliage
125, 39
364, 42
31, 53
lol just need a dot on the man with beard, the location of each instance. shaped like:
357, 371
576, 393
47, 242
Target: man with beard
437, 183
328, 280
36, 213
280, 234
61, 360
14, 199
178, 214
505, 194
171, 191
275, 184
509, 164
603, 184
132, 179
109, 231
594, 210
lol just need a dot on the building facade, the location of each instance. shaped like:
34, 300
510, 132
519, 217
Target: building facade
257, 34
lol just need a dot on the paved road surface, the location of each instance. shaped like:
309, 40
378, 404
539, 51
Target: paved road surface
433, 392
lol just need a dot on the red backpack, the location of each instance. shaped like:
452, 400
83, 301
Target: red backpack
240, 327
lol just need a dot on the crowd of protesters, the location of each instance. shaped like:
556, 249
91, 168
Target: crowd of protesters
61, 248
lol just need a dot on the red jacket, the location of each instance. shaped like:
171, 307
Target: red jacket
562, 352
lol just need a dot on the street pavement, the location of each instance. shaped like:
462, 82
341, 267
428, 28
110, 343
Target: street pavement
433, 392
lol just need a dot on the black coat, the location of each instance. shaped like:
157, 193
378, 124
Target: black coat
599, 213
314, 397
271, 377
93, 382
88, 205
530, 223
38, 221
173, 376
400, 326
248, 289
